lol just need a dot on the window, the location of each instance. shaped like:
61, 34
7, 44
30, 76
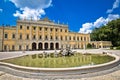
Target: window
70, 38
20, 36
78, 38
6, 35
13, 47
20, 47
27, 47
27, 37
46, 38
34, 37
51, 37
56, 30
65, 30
61, 38
40, 37
45, 29
56, 38
5, 47
20, 26
51, 29
34, 28
27, 27
73, 38
40, 28
60, 30
81, 39
13, 36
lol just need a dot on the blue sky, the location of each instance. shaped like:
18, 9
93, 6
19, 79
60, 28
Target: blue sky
81, 15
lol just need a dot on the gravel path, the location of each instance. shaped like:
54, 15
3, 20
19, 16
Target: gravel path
114, 75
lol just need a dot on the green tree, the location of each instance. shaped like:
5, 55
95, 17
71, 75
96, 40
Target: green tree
109, 32
89, 46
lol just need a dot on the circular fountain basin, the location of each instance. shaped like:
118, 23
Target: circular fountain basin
35, 72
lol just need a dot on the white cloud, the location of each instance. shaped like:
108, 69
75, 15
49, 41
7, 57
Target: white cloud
31, 8
112, 17
87, 27
1, 10
99, 22
115, 5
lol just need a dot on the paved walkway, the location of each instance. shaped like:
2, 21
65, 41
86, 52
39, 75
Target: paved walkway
110, 76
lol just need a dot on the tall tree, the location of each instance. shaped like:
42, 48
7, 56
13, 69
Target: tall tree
109, 32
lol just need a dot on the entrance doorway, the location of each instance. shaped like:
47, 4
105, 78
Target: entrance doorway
51, 46
46, 46
57, 45
40, 46
33, 46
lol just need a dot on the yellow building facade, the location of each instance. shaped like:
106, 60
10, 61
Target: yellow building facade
101, 44
40, 35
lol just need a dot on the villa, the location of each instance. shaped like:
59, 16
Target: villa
44, 35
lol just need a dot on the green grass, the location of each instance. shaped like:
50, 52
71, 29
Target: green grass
59, 62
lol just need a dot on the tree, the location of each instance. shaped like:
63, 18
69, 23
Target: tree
89, 46
109, 32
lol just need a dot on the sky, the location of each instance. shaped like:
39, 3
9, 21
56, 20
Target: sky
80, 15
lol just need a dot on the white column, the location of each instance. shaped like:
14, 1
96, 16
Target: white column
30, 32
48, 38
17, 39
30, 46
43, 37
37, 33
37, 45
54, 39
36, 37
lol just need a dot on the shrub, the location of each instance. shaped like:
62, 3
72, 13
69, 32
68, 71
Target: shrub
89, 46
111, 47
118, 48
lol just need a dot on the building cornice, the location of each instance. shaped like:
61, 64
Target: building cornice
41, 22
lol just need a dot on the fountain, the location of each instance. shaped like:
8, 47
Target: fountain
67, 52
64, 62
